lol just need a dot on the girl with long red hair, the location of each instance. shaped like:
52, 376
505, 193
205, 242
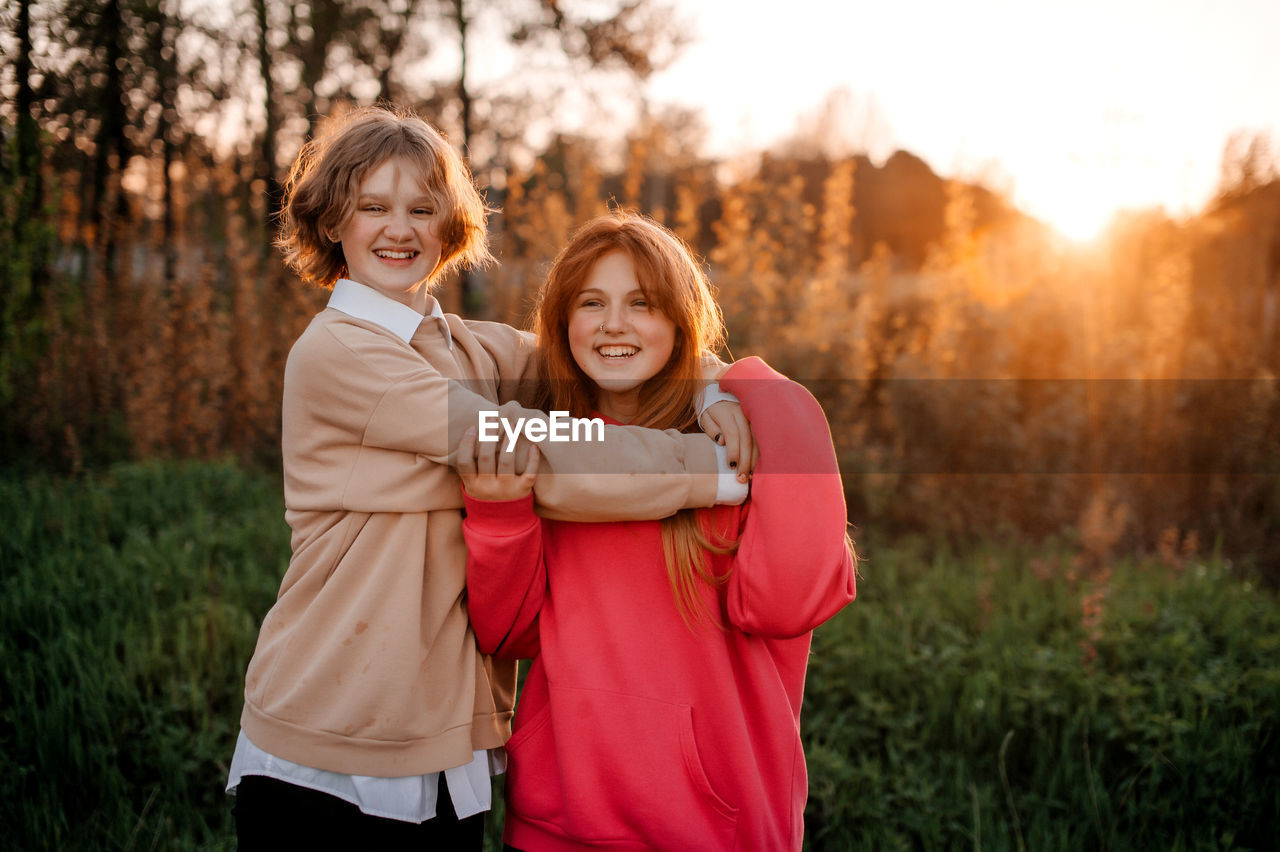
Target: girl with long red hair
662, 706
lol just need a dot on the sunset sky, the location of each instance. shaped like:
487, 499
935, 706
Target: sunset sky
1076, 108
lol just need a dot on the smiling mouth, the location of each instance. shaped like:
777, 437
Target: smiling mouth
388, 254
617, 351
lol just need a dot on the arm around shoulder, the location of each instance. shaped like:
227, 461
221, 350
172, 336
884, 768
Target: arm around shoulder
633, 474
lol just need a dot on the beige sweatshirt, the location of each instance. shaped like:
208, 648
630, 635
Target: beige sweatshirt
366, 664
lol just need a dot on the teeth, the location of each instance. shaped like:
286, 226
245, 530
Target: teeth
617, 351
395, 255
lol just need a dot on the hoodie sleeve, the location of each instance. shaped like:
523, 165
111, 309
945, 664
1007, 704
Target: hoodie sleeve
506, 575
792, 570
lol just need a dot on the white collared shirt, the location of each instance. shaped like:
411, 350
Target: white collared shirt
357, 300
412, 798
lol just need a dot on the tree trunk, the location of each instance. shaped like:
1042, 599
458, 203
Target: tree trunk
327, 21
464, 94
266, 166
163, 48
466, 286
111, 136
28, 159
393, 41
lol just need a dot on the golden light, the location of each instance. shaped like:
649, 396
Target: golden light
1076, 202
1080, 221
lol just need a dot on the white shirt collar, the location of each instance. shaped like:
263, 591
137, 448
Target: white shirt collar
356, 300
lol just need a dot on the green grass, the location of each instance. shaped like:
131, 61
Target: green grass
952, 706
129, 605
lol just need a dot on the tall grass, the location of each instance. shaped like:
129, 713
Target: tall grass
1007, 698
1017, 699
129, 605
942, 331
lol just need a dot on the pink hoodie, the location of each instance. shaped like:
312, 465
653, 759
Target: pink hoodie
635, 730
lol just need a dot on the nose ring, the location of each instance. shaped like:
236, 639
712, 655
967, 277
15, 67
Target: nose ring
602, 328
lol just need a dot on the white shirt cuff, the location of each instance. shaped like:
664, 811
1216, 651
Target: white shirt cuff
710, 395
729, 490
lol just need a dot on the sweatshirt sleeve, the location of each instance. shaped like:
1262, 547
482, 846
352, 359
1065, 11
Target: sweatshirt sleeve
506, 575
515, 357
792, 570
632, 474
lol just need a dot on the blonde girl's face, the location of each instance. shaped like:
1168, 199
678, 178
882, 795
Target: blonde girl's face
616, 337
390, 239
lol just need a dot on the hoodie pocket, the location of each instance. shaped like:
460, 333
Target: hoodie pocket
605, 767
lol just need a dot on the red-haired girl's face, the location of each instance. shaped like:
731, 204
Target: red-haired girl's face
616, 337
390, 240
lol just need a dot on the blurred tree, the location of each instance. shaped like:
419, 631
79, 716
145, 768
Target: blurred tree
26, 152
266, 166
98, 87
314, 54
318, 47
635, 37
24, 249
1247, 163
110, 76
307, 52
843, 125
91, 90
555, 43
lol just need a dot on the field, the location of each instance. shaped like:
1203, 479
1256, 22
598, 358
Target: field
1007, 697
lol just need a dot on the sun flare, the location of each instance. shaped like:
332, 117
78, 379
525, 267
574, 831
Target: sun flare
1079, 221
1076, 203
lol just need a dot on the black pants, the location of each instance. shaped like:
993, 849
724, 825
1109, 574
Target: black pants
274, 815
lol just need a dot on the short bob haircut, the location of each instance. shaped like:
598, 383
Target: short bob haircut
321, 189
672, 282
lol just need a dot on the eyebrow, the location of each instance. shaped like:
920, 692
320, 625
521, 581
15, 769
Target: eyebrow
586, 290
374, 196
